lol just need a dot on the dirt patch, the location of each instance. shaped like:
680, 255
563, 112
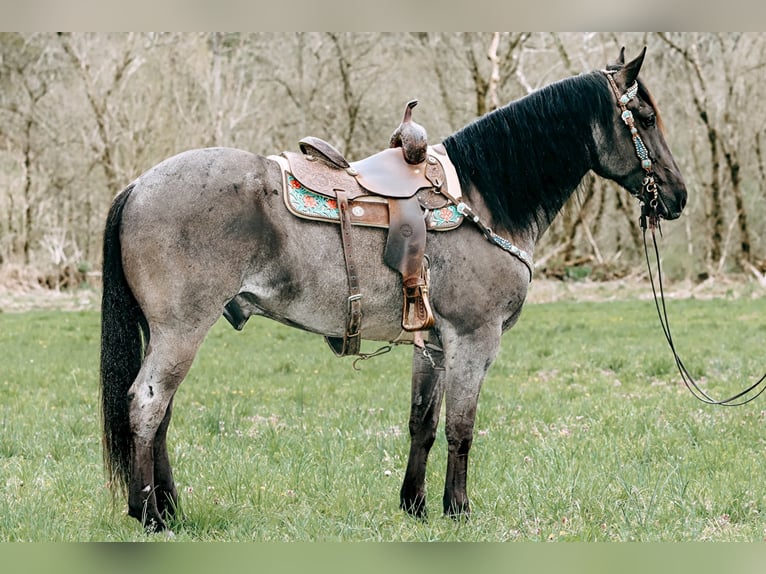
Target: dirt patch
26, 289
38, 299
730, 287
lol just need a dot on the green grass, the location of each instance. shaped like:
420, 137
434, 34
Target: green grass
583, 433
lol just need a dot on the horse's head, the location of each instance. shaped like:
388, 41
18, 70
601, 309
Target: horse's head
631, 149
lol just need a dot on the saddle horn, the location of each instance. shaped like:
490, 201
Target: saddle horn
411, 137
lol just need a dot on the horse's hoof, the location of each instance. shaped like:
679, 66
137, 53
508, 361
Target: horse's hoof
415, 508
457, 510
155, 526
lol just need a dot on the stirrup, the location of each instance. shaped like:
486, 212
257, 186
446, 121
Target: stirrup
416, 307
417, 314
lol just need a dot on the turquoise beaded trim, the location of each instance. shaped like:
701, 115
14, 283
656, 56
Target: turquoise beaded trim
630, 94
447, 216
511, 248
311, 204
638, 143
493, 237
627, 117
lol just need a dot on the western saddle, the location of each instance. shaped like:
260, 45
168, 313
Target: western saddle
402, 188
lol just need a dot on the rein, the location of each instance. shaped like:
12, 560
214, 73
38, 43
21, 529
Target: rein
650, 219
659, 302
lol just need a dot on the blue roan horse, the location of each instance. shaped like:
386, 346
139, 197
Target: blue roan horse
209, 226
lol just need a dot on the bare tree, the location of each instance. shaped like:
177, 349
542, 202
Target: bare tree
335, 88
714, 65
23, 75
102, 81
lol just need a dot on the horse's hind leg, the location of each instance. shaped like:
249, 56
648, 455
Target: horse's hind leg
427, 394
151, 491
166, 494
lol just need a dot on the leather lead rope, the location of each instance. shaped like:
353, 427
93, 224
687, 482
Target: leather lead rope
734, 401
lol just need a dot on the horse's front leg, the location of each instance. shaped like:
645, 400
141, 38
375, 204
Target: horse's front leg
467, 360
427, 394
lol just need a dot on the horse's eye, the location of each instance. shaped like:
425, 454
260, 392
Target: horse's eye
649, 121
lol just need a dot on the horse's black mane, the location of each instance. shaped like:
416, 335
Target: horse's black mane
527, 157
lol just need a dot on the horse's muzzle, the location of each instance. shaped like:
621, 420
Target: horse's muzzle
671, 209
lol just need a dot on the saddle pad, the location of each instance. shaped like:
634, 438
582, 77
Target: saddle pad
367, 210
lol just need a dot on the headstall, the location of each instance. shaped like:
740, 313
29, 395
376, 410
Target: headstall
650, 196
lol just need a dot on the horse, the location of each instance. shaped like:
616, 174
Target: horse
209, 226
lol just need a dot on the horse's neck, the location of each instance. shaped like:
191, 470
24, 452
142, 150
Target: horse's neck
539, 226
527, 159
518, 198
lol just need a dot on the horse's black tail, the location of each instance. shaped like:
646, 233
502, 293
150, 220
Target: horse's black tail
122, 349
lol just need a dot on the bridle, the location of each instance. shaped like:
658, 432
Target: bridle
650, 218
650, 197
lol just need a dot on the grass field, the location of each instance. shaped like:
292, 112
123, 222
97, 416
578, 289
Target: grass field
584, 433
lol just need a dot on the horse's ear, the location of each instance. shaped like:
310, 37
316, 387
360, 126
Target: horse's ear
620, 61
629, 72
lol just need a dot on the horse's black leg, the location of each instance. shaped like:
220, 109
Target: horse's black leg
467, 360
167, 361
427, 394
142, 502
459, 440
166, 494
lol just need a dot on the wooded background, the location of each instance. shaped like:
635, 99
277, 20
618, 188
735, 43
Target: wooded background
81, 115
